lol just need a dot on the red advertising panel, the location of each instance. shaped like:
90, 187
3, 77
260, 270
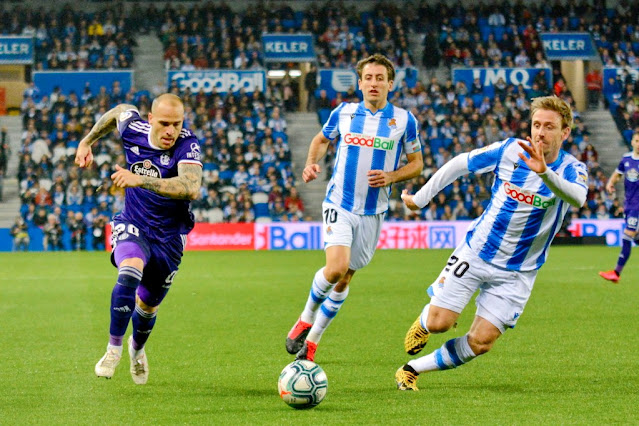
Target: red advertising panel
222, 236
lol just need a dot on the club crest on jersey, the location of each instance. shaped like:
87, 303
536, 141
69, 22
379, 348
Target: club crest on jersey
527, 197
145, 168
165, 159
632, 175
392, 123
375, 142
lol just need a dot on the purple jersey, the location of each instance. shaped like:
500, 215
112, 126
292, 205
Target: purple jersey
629, 168
160, 218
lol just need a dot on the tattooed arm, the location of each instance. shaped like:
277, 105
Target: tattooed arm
105, 125
185, 186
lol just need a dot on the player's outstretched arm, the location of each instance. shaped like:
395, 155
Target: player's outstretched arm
184, 186
105, 125
317, 150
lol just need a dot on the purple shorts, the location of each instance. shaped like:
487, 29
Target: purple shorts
161, 259
632, 216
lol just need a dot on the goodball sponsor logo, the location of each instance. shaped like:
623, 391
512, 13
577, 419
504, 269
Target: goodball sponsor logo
527, 197
358, 139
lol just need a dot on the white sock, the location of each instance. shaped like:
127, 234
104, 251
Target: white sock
452, 354
319, 291
424, 316
111, 347
329, 310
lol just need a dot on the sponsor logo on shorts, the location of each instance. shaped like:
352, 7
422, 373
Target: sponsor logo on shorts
527, 197
145, 168
375, 142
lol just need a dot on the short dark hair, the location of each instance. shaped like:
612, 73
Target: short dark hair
380, 59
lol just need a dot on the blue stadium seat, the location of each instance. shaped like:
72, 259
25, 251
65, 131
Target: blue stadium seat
498, 32
627, 135
456, 21
323, 114
261, 210
485, 32
574, 22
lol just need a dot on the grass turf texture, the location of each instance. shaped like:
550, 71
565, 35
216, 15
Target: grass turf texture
218, 346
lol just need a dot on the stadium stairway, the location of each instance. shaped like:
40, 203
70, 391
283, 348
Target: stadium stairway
302, 127
606, 139
10, 205
149, 63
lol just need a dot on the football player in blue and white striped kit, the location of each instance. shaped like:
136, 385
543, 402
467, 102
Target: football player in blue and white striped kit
535, 184
371, 138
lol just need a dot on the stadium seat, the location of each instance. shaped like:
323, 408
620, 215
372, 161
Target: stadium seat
498, 32
229, 188
323, 114
259, 197
215, 215
627, 135
261, 210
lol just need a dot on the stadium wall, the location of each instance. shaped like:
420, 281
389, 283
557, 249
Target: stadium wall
308, 235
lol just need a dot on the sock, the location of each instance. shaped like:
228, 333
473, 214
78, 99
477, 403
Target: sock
626, 246
143, 323
424, 316
327, 312
452, 354
115, 348
123, 302
319, 291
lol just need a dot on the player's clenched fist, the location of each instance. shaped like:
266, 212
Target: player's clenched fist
123, 178
310, 172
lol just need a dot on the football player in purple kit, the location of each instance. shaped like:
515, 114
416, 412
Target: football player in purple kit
629, 169
163, 175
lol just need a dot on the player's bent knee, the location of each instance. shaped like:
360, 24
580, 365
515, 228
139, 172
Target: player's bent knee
334, 273
480, 344
146, 308
438, 325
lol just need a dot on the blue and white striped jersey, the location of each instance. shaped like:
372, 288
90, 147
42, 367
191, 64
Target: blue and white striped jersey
366, 142
517, 227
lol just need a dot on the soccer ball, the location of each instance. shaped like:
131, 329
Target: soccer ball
302, 384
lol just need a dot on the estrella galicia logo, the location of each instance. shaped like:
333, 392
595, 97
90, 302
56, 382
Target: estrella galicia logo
145, 168
441, 236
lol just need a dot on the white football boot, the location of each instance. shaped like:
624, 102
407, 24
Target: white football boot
139, 365
106, 366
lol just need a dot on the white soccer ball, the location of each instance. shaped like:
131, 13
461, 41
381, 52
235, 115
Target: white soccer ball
302, 384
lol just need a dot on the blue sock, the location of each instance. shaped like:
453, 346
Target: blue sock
143, 323
452, 354
626, 246
123, 302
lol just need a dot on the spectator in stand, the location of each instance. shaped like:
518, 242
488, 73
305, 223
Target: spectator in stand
20, 233
594, 81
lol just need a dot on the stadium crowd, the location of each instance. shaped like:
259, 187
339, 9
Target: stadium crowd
247, 161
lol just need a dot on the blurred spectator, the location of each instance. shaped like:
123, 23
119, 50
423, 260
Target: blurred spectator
20, 234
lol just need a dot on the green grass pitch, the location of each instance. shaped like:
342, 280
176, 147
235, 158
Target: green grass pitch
218, 346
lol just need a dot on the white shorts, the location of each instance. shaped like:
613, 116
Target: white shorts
359, 232
502, 294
